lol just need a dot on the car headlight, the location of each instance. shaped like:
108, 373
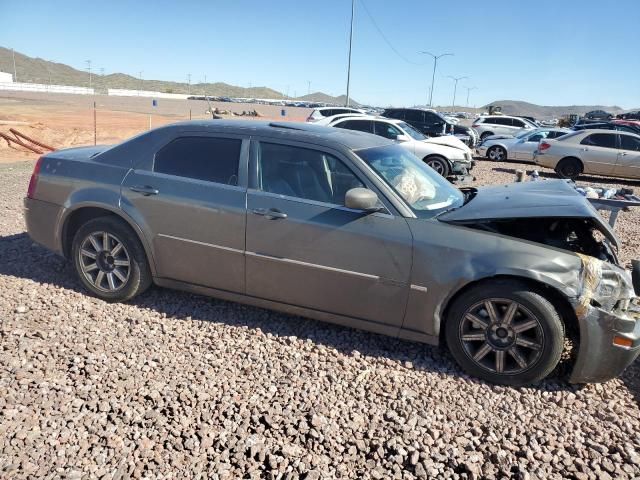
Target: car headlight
603, 285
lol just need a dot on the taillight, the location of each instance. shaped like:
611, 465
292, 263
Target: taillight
34, 179
543, 146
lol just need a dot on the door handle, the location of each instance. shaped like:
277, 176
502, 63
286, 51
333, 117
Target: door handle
145, 190
623, 154
271, 214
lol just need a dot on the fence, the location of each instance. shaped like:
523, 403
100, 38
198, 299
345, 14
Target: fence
121, 92
40, 87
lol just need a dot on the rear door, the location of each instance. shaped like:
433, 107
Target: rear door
191, 207
628, 157
304, 248
599, 152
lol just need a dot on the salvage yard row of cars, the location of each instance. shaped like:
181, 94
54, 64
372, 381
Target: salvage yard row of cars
349, 227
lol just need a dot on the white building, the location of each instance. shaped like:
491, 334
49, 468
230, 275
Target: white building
6, 77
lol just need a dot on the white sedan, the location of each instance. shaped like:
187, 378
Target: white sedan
521, 147
447, 155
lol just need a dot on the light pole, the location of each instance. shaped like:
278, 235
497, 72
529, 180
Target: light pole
188, 83
15, 72
89, 70
468, 90
140, 84
433, 77
308, 87
455, 88
353, 11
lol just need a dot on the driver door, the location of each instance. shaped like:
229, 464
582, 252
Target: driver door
304, 248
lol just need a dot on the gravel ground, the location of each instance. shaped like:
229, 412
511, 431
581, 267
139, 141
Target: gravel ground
174, 385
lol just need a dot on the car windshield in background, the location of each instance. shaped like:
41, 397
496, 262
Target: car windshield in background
426, 192
524, 134
415, 134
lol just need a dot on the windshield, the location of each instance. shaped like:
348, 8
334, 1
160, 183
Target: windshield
424, 190
524, 134
415, 134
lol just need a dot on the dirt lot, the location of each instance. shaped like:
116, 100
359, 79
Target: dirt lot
61, 120
174, 385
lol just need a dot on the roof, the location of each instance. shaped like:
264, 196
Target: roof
297, 131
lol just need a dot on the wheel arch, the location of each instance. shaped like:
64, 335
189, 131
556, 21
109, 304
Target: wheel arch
77, 217
437, 155
554, 295
571, 157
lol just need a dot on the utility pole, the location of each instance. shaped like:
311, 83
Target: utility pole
189, 83
15, 72
140, 84
308, 87
469, 90
353, 11
433, 76
104, 86
89, 70
455, 87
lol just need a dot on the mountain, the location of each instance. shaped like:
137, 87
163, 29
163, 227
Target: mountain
38, 70
514, 107
324, 98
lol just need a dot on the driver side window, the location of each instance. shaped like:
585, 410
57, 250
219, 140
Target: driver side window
386, 130
304, 173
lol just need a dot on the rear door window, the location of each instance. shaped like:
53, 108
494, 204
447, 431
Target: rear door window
517, 123
359, 125
414, 116
210, 159
605, 140
399, 114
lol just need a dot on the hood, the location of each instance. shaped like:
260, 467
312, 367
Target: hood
542, 199
447, 141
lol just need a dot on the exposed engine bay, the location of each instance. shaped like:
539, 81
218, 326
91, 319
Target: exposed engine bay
578, 235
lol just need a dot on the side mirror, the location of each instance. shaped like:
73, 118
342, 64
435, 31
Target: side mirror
402, 138
362, 199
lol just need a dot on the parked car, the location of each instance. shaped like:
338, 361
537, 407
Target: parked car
349, 228
622, 127
500, 125
333, 118
322, 112
431, 123
592, 152
630, 115
627, 122
445, 159
531, 120
598, 115
520, 147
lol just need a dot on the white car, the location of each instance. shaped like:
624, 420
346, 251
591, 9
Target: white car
333, 118
521, 147
447, 155
488, 125
322, 112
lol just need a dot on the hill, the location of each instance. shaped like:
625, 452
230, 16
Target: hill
514, 107
38, 70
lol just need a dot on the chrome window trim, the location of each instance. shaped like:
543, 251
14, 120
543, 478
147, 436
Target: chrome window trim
316, 203
314, 265
204, 244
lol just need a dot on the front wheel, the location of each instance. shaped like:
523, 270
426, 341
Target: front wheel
439, 164
504, 332
110, 260
497, 154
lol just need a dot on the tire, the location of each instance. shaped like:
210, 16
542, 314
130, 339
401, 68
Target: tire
521, 352
485, 135
497, 154
439, 164
116, 273
569, 168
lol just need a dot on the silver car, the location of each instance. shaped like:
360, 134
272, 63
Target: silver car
594, 152
521, 147
348, 228
488, 125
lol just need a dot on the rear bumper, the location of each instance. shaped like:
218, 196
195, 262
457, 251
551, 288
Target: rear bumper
41, 219
598, 358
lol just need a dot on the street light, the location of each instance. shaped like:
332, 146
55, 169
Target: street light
468, 90
433, 77
353, 12
455, 88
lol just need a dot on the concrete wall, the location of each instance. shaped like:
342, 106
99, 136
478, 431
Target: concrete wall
6, 77
120, 92
38, 87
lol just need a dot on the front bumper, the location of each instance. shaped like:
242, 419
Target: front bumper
599, 359
481, 151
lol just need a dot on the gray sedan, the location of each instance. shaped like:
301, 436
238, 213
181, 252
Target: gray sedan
521, 147
348, 228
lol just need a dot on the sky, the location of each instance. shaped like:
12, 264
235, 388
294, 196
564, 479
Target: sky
547, 52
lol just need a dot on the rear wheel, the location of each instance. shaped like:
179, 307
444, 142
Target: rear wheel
497, 153
569, 168
439, 164
505, 333
110, 260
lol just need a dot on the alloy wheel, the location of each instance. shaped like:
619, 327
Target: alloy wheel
437, 166
104, 261
501, 336
496, 154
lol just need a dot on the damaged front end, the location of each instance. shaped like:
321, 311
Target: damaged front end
606, 305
